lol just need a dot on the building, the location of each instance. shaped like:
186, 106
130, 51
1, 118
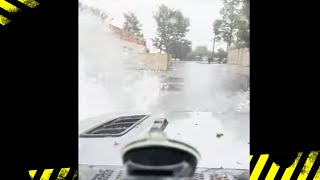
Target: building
130, 41
137, 46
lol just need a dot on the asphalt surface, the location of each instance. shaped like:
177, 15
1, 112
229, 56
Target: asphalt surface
197, 86
218, 89
216, 96
207, 106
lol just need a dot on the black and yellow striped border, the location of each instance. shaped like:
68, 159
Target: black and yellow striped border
255, 175
46, 174
13, 9
303, 174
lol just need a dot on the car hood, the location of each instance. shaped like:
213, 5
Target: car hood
118, 172
221, 144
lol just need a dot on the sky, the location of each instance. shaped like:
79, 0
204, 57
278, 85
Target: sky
201, 13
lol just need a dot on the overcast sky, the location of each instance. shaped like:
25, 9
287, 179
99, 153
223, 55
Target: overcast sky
202, 14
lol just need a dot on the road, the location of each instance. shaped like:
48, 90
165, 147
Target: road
194, 86
200, 100
217, 95
218, 89
187, 86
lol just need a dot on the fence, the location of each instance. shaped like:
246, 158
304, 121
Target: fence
239, 56
156, 61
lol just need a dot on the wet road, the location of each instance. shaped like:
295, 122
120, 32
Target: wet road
187, 86
216, 96
194, 86
200, 101
214, 99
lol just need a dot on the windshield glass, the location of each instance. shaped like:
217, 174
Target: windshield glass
183, 60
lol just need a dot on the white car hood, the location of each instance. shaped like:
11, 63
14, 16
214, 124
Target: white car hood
198, 129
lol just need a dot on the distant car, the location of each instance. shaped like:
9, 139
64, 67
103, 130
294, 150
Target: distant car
224, 60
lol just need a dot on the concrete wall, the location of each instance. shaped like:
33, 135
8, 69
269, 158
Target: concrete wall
239, 56
156, 61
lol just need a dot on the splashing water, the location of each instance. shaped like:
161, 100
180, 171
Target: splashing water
109, 78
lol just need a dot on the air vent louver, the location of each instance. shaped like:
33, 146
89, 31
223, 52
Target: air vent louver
116, 127
103, 175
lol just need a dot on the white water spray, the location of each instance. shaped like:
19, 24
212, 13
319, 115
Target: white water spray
109, 78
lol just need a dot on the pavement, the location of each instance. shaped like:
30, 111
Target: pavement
207, 105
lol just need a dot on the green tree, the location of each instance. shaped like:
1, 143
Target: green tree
171, 32
243, 34
246, 9
181, 49
199, 52
230, 17
243, 26
132, 24
235, 27
221, 54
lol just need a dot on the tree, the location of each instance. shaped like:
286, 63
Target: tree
171, 32
243, 26
199, 52
182, 49
132, 24
246, 9
243, 34
217, 29
230, 16
235, 23
221, 54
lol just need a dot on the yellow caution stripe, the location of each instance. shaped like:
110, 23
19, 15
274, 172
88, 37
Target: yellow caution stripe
272, 172
13, 9
46, 175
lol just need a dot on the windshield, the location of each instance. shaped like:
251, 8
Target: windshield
184, 60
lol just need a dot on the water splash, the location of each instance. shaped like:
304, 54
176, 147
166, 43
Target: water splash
109, 77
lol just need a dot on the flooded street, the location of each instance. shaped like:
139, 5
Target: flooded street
187, 86
194, 86
206, 105
215, 97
